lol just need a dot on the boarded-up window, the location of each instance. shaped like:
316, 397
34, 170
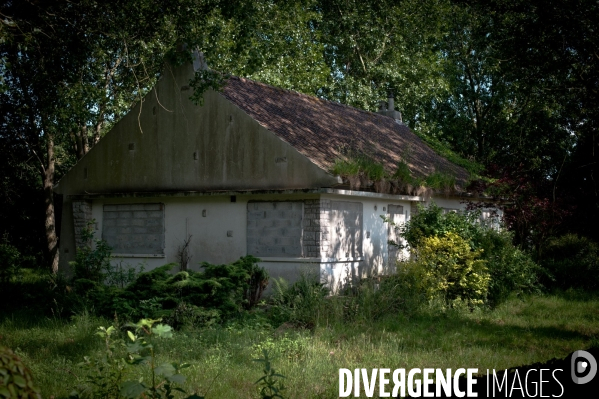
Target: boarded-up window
274, 229
345, 224
134, 228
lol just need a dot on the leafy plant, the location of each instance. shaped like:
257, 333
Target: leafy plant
271, 384
217, 293
10, 259
16, 380
512, 270
203, 80
106, 377
92, 260
431, 221
300, 302
571, 261
165, 377
106, 374
446, 267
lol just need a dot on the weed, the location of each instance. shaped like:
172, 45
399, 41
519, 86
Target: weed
271, 384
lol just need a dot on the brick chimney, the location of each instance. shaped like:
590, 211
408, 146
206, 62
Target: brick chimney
388, 108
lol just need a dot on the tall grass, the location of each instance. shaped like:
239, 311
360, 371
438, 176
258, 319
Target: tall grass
517, 332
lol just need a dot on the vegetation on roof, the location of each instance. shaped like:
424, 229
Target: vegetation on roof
362, 172
473, 167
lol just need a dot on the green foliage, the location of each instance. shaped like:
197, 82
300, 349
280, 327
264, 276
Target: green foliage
204, 80
93, 260
106, 377
431, 221
16, 380
440, 181
300, 302
187, 298
445, 267
512, 270
371, 299
10, 259
187, 317
443, 149
104, 374
359, 165
571, 261
256, 283
403, 173
271, 384
165, 377
360, 170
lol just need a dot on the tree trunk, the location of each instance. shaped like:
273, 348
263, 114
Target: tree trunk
50, 220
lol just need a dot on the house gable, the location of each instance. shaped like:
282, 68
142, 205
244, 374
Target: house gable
167, 143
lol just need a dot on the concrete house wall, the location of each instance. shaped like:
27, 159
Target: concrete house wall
221, 231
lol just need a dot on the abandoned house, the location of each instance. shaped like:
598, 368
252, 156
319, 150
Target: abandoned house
248, 172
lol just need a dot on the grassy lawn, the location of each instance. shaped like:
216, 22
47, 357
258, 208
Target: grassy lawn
518, 332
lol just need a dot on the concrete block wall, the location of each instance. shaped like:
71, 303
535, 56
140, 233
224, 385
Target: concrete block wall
134, 228
316, 240
82, 215
274, 228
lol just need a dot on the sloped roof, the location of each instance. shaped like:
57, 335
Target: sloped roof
323, 130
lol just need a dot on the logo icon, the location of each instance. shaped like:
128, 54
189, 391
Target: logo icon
579, 367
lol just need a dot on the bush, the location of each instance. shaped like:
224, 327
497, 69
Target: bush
187, 297
512, 270
445, 267
571, 261
92, 261
432, 222
10, 262
15, 379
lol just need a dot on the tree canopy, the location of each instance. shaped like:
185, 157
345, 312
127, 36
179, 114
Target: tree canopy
512, 85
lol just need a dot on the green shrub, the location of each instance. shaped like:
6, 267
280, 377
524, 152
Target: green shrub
571, 261
107, 376
16, 380
300, 302
445, 267
10, 261
93, 259
512, 270
431, 222
214, 294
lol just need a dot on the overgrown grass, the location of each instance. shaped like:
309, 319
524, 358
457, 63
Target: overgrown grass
517, 332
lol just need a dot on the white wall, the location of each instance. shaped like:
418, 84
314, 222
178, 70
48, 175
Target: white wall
184, 217
374, 244
210, 241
